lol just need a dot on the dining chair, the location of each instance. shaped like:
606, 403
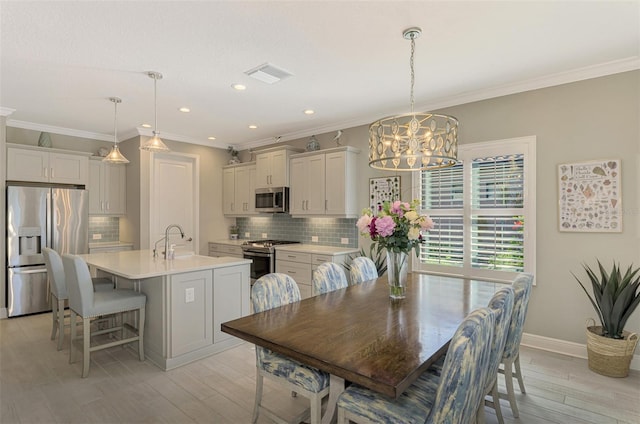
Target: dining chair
511, 356
328, 277
362, 269
272, 291
89, 305
58, 288
451, 396
502, 304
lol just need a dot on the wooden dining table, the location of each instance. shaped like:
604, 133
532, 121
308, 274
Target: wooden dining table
359, 334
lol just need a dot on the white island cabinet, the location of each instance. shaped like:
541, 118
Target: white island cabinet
187, 300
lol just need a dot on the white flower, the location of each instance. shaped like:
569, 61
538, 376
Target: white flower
412, 216
414, 233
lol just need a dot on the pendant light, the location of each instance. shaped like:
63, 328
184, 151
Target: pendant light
154, 144
114, 155
415, 141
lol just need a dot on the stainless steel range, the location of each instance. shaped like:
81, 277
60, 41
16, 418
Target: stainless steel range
263, 255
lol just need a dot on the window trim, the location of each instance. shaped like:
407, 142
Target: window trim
525, 145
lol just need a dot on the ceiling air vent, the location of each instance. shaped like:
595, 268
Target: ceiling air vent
268, 73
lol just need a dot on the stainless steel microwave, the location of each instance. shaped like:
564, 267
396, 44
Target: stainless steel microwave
272, 200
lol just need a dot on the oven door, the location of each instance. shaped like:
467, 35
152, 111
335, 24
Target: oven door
263, 263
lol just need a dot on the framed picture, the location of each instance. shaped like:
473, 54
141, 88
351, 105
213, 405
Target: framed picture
590, 196
383, 189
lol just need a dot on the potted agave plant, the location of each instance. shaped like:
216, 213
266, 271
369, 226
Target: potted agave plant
615, 297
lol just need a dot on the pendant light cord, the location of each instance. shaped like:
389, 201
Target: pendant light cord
413, 77
115, 123
155, 103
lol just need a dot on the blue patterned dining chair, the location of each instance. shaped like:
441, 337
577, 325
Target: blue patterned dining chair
449, 397
328, 277
271, 291
511, 357
502, 304
363, 269
58, 285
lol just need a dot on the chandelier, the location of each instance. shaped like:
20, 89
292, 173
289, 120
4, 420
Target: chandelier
414, 141
114, 155
155, 144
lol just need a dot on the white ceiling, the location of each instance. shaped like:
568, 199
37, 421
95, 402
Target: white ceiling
60, 61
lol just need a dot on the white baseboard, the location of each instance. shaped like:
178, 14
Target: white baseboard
566, 348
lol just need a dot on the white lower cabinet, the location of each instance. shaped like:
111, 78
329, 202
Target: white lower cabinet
230, 298
190, 310
184, 313
217, 250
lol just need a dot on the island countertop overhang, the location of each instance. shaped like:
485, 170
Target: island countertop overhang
140, 264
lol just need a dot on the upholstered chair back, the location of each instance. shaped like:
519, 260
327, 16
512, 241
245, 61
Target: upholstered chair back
55, 270
464, 370
328, 277
522, 291
502, 304
79, 284
363, 269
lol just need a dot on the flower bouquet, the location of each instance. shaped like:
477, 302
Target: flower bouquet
397, 228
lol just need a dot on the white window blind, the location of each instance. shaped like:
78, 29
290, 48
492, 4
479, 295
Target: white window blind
484, 212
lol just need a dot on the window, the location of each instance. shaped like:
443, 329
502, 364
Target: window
484, 211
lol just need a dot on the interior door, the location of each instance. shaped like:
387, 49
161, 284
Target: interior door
174, 200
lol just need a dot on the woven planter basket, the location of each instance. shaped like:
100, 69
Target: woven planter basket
607, 356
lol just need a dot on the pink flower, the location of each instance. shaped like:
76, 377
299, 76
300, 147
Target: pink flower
396, 208
426, 223
385, 226
363, 223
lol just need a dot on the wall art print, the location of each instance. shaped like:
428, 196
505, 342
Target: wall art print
590, 196
383, 189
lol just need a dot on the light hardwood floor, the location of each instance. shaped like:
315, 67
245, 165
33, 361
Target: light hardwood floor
37, 385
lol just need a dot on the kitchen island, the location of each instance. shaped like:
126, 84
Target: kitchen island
187, 300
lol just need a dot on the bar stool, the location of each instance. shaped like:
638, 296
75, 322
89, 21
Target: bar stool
58, 286
89, 305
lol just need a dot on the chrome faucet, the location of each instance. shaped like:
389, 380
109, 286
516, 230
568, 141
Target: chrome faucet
166, 240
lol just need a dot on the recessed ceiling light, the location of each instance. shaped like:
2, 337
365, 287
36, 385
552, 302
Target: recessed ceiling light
309, 111
238, 87
211, 138
184, 109
146, 126
253, 127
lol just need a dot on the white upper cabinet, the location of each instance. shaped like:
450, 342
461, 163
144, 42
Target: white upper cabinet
39, 164
107, 188
272, 167
323, 183
238, 189
308, 185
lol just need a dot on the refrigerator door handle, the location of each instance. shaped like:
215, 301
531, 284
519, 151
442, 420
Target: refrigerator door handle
49, 227
29, 271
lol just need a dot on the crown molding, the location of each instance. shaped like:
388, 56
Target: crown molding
58, 130
147, 132
6, 111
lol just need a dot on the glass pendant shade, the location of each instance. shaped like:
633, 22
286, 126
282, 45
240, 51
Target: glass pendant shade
415, 141
114, 155
155, 144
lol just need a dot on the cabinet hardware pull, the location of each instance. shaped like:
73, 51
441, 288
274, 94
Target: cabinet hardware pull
52, 176
107, 205
46, 172
101, 205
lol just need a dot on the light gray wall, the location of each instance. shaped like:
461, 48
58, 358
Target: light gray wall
592, 119
213, 225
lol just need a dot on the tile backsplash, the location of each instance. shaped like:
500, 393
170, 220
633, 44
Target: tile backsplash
108, 227
329, 231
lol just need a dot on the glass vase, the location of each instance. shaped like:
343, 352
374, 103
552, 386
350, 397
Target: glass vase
397, 267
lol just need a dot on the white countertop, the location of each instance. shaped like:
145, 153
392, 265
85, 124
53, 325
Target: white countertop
95, 245
315, 248
229, 242
139, 264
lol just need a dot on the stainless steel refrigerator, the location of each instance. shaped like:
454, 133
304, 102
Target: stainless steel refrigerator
38, 217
